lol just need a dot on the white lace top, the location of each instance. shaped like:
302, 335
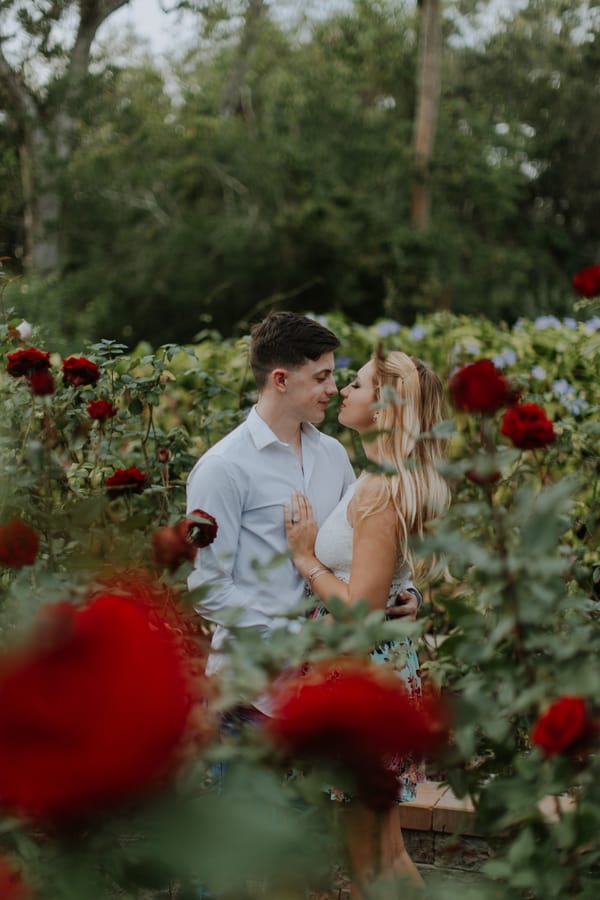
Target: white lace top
333, 547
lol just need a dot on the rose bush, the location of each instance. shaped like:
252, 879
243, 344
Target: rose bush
516, 625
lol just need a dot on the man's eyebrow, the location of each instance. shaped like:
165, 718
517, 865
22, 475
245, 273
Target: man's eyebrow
322, 372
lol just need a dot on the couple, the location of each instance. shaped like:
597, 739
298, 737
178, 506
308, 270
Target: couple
276, 479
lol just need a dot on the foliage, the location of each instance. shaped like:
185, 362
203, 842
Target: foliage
178, 216
515, 627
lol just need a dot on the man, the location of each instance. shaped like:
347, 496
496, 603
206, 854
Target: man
247, 478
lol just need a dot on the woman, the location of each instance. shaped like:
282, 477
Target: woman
362, 549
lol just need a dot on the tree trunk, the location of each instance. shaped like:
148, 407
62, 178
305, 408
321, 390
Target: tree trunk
46, 131
233, 99
428, 88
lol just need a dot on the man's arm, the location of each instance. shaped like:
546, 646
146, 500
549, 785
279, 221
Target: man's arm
210, 487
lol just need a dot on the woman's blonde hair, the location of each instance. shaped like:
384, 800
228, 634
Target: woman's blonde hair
412, 401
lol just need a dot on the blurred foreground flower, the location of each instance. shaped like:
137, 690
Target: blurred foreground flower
80, 371
12, 886
479, 388
92, 711
565, 725
176, 544
586, 282
359, 718
125, 481
19, 544
527, 426
24, 362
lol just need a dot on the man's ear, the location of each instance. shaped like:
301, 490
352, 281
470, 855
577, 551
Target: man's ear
279, 379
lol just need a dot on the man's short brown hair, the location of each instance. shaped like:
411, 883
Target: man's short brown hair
288, 340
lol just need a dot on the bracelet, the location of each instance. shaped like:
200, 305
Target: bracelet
314, 573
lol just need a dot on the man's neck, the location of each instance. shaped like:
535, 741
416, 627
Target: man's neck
286, 428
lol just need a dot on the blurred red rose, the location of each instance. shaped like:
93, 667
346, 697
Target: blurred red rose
42, 383
171, 546
92, 712
24, 362
527, 426
202, 528
564, 725
179, 543
19, 544
479, 388
125, 481
359, 718
12, 886
79, 371
586, 282
164, 454
101, 409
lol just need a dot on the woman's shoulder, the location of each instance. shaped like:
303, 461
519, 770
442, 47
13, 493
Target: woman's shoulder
373, 496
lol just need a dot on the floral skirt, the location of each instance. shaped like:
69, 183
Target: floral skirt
402, 656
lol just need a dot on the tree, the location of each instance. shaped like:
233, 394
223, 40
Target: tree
43, 113
428, 87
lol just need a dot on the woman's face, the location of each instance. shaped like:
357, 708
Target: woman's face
357, 410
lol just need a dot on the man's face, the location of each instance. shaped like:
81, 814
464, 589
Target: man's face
310, 388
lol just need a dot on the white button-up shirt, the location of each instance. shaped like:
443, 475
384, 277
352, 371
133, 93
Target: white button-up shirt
244, 482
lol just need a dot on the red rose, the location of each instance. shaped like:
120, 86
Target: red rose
101, 409
479, 388
202, 528
527, 426
24, 362
19, 544
92, 711
359, 718
587, 282
126, 481
12, 886
163, 454
171, 546
176, 544
564, 724
79, 371
42, 383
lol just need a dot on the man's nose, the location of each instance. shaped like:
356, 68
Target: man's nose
332, 387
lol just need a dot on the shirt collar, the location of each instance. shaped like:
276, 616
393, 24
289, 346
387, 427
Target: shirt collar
262, 435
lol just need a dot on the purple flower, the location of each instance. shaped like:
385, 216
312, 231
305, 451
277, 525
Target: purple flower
538, 372
592, 324
417, 332
387, 327
543, 322
342, 362
508, 357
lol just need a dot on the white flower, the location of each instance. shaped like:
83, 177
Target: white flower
24, 330
538, 372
